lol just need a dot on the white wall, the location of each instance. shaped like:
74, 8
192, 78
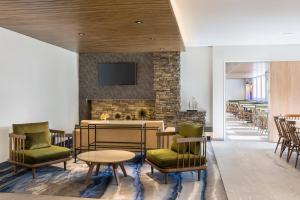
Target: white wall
235, 89
38, 82
196, 78
222, 54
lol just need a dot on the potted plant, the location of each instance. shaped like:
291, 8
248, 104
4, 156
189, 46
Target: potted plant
117, 116
143, 113
128, 117
104, 116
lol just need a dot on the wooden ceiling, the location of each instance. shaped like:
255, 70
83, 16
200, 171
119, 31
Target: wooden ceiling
107, 25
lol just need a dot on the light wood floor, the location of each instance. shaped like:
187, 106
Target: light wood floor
251, 171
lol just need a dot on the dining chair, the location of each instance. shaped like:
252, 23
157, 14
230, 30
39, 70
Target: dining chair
279, 130
286, 142
295, 141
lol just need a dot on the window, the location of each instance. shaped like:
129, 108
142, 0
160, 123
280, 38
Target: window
263, 87
258, 87
254, 88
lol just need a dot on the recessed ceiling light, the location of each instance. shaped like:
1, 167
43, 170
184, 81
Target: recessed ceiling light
139, 22
81, 34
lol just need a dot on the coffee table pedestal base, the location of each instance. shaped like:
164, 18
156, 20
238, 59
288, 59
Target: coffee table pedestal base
114, 169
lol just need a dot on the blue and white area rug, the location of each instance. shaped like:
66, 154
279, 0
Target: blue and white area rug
140, 184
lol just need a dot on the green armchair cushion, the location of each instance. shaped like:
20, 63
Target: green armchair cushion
166, 158
36, 141
36, 156
32, 128
180, 147
192, 130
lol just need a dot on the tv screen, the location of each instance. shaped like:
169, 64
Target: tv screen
116, 74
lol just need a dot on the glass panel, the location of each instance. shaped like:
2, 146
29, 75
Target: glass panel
258, 87
263, 87
254, 88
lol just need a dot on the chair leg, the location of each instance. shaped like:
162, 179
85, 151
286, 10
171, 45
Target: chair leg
15, 168
166, 178
290, 151
65, 165
199, 175
33, 173
283, 146
152, 170
278, 142
298, 151
290, 154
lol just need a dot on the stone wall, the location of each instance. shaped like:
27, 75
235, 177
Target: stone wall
167, 86
158, 88
197, 117
125, 107
88, 79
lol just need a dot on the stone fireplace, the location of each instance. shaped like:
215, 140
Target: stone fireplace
157, 89
124, 107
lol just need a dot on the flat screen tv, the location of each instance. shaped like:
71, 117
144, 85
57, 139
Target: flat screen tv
110, 74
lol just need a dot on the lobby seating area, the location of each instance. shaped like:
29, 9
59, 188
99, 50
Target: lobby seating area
149, 100
35, 146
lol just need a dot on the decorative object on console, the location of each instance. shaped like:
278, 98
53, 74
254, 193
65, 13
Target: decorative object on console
193, 104
117, 116
128, 117
143, 114
104, 116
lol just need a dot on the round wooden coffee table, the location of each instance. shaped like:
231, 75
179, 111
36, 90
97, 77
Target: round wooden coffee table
108, 157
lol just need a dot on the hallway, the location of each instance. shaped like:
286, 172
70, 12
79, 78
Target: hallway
242, 131
250, 169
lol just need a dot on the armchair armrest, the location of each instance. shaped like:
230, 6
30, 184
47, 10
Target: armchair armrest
166, 133
57, 131
16, 147
58, 137
161, 139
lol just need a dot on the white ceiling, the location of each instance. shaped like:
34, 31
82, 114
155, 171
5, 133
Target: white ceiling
246, 69
238, 22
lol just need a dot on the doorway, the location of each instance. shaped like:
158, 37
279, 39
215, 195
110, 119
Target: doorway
247, 101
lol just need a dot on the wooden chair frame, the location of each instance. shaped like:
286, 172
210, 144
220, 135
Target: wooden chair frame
289, 141
279, 130
295, 140
17, 147
286, 142
186, 142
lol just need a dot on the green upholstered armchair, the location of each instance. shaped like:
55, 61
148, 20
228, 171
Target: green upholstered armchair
187, 152
35, 145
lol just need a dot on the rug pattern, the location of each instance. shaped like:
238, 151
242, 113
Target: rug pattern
140, 184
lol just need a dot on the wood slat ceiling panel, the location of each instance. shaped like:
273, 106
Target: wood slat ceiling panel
109, 26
